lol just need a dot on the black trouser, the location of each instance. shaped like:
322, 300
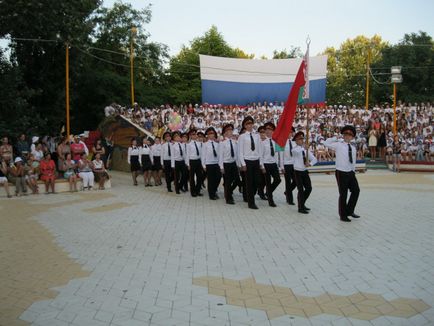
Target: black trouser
168, 173
195, 170
185, 177
214, 176
243, 185
271, 171
179, 174
347, 181
304, 187
262, 184
231, 179
252, 176
289, 182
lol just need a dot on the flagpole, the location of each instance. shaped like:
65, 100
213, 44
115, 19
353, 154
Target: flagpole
306, 90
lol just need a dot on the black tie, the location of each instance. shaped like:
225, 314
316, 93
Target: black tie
168, 149
213, 149
271, 148
180, 149
232, 148
252, 143
350, 153
197, 149
290, 148
304, 157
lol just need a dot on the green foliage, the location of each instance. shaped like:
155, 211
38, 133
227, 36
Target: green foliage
294, 52
347, 68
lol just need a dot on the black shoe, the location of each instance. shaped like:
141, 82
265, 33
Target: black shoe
217, 196
306, 208
199, 194
345, 219
193, 195
290, 203
230, 202
272, 204
303, 211
184, 190
169, 190
253, 206
177, 192
354, 215
213, 197
263, 197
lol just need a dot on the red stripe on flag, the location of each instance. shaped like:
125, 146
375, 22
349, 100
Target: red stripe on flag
280, 135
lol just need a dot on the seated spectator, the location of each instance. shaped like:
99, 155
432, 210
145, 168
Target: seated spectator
77, 149
99, 171
85, 172
37, 153
62, 150
19, 175
48, 172
3, 179
23, 147
98, 148
32, 174
6, 150
69, 167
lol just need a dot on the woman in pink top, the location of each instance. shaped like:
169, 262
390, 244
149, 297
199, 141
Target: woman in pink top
77, 149
48, 172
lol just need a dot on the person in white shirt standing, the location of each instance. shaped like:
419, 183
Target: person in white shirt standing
250, 160
303, 158
228, 162
346, 172
194, 163
210, 162
178, 161
270, 160
166, 160
156, 160
287, 166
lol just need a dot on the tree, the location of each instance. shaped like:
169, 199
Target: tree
346, 77
185, 85
415, 53
294, 52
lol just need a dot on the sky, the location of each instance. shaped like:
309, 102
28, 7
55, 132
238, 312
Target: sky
259, 27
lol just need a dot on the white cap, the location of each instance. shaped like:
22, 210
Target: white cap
35, 139
18, 159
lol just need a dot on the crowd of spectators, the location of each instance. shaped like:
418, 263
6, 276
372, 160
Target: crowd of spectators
28, 160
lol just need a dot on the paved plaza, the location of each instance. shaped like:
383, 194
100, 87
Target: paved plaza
132, 256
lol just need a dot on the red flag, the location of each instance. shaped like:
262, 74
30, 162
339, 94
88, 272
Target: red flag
280, 135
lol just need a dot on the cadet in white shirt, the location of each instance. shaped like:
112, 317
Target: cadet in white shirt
178, 161
250, 160
228, 162
145, 160
166, 160
210, 162
287, 166
133, 159
194, 163
302, 160
345, 172
156, 166
270, 160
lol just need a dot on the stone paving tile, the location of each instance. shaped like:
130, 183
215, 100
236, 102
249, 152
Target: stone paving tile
142, 255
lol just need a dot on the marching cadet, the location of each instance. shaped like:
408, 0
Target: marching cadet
228, 162
302, 160
178, 161
156, 166
210, 162
270, 160
185, 175
261, 186
194, 163
202, 139
346, 172
133, 160
242, 185
287, 166
146, 161
250, 160
166, 160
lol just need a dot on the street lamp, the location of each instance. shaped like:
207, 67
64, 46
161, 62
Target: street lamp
133, 33
396, 79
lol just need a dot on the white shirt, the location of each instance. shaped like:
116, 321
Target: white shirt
286, 157
244, 148
342, 154
192, 153
165, 152
178, 153
208, 156
156, 150
297, 153
265, 150
225, 155
133, 151
86, 150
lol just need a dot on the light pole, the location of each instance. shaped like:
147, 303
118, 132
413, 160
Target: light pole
133, 33
396, 79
